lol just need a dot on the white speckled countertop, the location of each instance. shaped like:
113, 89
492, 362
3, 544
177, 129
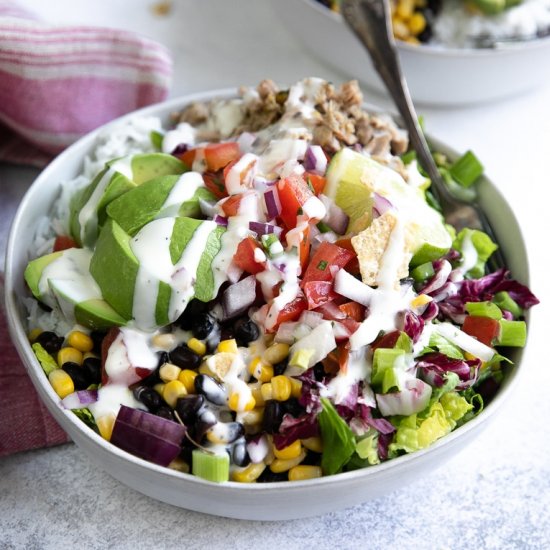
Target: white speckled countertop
493, 495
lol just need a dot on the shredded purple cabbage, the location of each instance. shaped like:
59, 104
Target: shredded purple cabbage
433, 367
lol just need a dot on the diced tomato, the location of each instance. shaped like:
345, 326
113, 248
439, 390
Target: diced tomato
63, 243
484, 329
331, 312
292, 310
343, 357
293, 193
316, 182
188, 158
214, 182
318, 293
353, 310
326, 256
387, 340
305, 245
219, 155
230, 206
351, 325
245, 257
353, 265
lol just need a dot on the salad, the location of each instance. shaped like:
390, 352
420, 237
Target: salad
466, 23
266, 291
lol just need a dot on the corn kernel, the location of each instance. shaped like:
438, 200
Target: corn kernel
417, 23
187, 378
169, 372
400, 29
421, 300
219, 364
105, 425
179, 465
420, 3
280, 465
291, 451
412, 40
404, 9
166, 341
257, 395
172, 391
260, 370
253, 417
228, 346
300, 473
276, 353
80, 341
65, 355
61, 382
89, 355
197, 346
204, 369
267, 392
159, 388
249, 474
314, 444
281, 387
236, 405
296, 387
34, 334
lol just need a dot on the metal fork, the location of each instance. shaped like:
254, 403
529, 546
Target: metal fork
370, 20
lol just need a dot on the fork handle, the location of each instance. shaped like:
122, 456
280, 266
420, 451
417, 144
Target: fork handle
374, 31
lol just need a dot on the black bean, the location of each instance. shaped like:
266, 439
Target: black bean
165, 412
163, 358
292, 406
97, 338
188, 406
92, 366
201, 427
280, 368
50, 341
226, 432
214, 392
312, 459
240, 454
149, 397
184, 357
203, 325
319, 372
227, 332
78, 375
268, 476
193, 310
246, 331
273, 415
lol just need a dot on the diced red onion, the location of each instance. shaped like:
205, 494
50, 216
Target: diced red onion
272, 203
380, 205
285, 332
234, 273
412, 399
257, 449
79, 399
265, 228
220, 220
147, 436
239, 297
311, 318
245, 141
262, 184
315, 160
208, 208
335, 217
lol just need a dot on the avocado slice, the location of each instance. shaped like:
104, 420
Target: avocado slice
62, 281
165, 196
88, 208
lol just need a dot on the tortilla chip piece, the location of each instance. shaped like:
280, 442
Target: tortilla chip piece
371, 245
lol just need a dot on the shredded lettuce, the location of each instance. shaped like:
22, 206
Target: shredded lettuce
367, 449
47, 362
87, 417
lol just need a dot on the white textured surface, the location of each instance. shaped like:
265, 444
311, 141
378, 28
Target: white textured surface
495, 494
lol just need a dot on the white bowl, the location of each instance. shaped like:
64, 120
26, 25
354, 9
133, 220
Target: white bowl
436, 76
275, 501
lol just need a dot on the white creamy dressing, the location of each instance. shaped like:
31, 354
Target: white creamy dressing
359, 368
235, 384
464, 341
183, 190
109, 399
183, 133
151, 246
87, 217
239, 177
67, 281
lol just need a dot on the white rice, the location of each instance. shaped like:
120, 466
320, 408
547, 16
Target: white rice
129, 138
458, 28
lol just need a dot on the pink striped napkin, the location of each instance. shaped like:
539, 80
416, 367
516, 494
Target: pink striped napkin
59, 82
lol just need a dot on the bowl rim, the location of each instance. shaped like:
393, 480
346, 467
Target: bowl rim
18, 334
444, 51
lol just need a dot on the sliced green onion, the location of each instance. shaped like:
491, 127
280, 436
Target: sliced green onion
423, 272
156, 139
504, 301
467, 169
272, 245
212, 467
512, 333
484, 309
323, 227
440, 159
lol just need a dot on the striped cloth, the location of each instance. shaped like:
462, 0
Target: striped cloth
59, 82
